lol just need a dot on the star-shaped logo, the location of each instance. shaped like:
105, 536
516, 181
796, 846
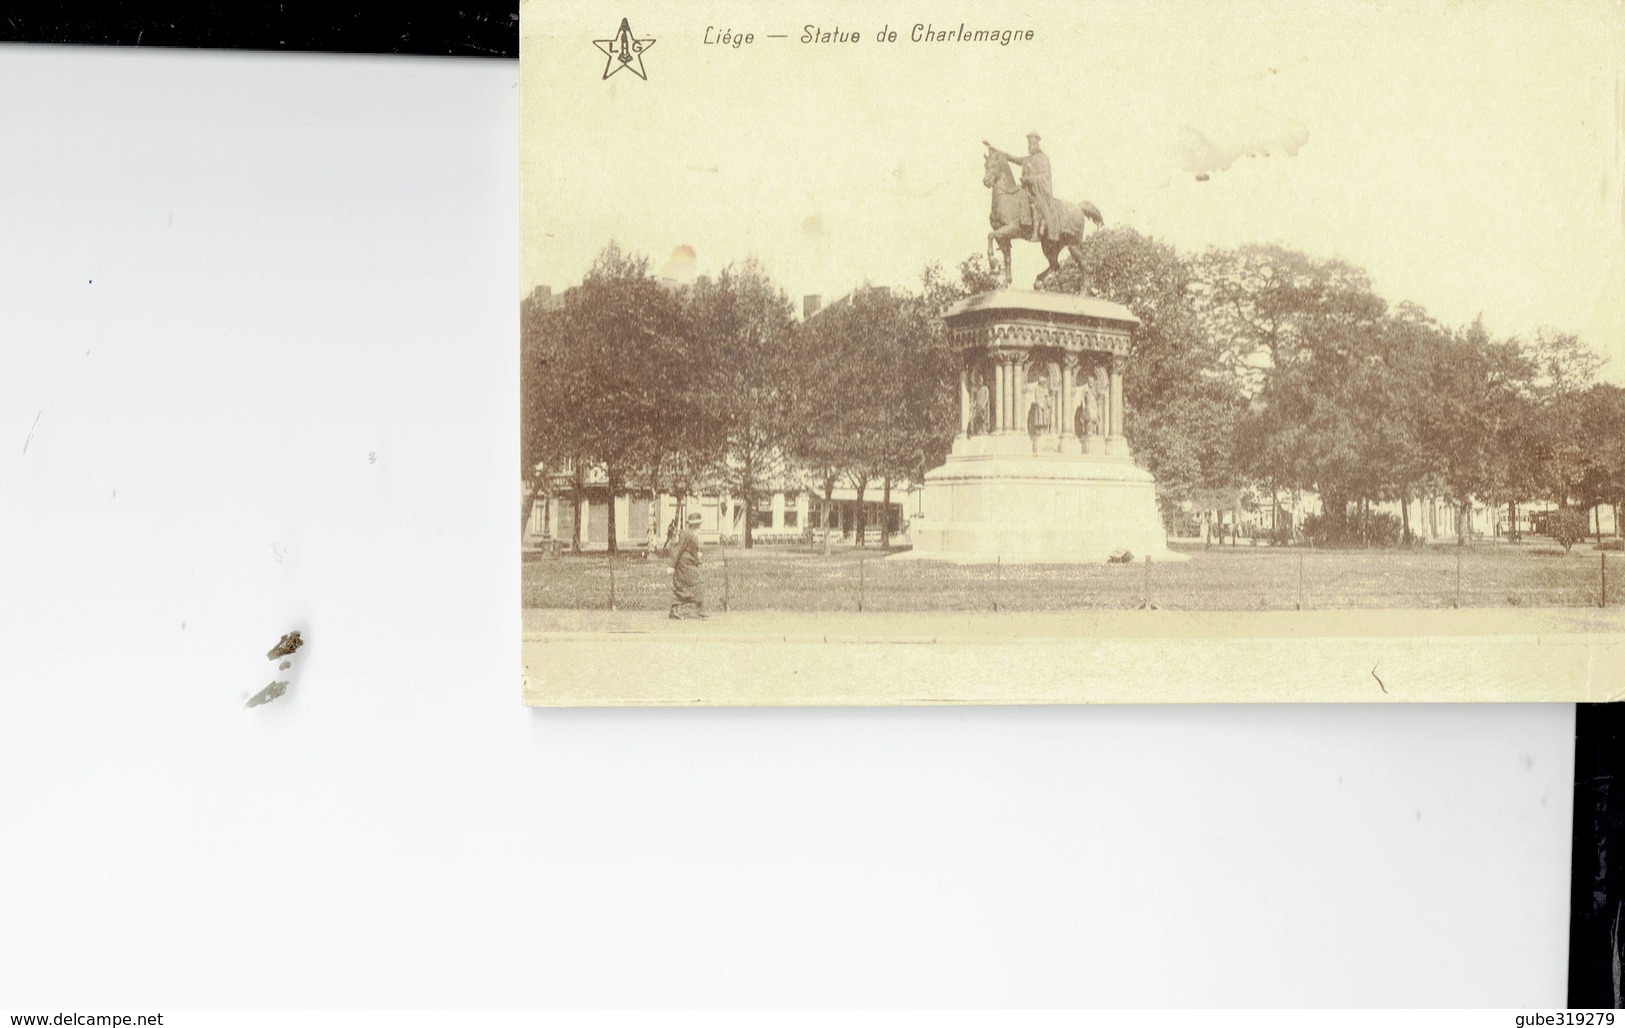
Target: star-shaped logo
624, 51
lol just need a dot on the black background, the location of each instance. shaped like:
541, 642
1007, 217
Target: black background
468, 28
1597, 904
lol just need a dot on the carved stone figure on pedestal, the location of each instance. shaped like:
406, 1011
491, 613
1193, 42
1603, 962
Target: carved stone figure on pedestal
1054, 419
979, 416
1101, 390
1038, 414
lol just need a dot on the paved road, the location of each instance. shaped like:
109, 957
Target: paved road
1132, 624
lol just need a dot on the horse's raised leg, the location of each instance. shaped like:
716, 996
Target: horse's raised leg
1004, 251
1077, 258
1052, 253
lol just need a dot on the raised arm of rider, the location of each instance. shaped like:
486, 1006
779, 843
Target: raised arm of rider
1007, 156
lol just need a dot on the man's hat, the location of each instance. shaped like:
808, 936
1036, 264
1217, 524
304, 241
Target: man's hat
1032, 135
694, 519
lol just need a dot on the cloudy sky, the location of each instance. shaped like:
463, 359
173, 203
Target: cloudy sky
1468, 155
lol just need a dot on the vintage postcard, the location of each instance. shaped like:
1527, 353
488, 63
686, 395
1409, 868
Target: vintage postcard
1153, 351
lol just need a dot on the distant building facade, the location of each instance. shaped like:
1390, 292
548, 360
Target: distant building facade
789, 513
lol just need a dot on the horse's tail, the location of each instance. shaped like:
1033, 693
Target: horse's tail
1092, 212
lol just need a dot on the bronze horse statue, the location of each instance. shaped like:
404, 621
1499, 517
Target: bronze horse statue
1012, 218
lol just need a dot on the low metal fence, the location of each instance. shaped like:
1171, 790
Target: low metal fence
1228, 578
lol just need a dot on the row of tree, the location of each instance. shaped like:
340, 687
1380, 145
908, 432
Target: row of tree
1255, 370
717, 385
1363, 402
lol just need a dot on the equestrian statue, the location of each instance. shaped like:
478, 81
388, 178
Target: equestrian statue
1030, 210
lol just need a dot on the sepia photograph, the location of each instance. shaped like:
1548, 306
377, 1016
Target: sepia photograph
1081, 350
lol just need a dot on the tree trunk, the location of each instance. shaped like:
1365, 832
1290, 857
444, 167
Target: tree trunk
1405, 519
829, 499
654, 509
577, 487
1235, 522
885, 513
749, 499
1596, 516
668, 534
1461, 521
859, 522
612, 478
1512, 521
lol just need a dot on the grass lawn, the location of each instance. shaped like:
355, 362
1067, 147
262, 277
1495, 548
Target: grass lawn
1223, 578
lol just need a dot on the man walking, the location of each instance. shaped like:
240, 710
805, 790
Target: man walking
687, 601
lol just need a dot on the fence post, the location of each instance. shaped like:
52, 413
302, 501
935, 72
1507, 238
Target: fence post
612, 581
1300, 579
724, 585
1604, 556
860, 584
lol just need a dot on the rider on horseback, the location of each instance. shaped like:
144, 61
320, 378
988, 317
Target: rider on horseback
1035, 177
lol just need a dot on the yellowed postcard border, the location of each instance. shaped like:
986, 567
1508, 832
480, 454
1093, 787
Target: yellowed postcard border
766, 659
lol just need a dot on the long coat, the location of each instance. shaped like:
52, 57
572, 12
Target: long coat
685, 563
1035, 175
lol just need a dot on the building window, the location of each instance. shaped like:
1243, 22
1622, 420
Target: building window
761, 515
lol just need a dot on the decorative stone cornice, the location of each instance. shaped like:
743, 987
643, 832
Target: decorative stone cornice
1022, 335
1015, 304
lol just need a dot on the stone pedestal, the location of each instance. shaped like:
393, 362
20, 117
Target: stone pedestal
1040, 471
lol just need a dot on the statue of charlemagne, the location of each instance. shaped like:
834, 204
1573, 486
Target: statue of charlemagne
1031, 211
